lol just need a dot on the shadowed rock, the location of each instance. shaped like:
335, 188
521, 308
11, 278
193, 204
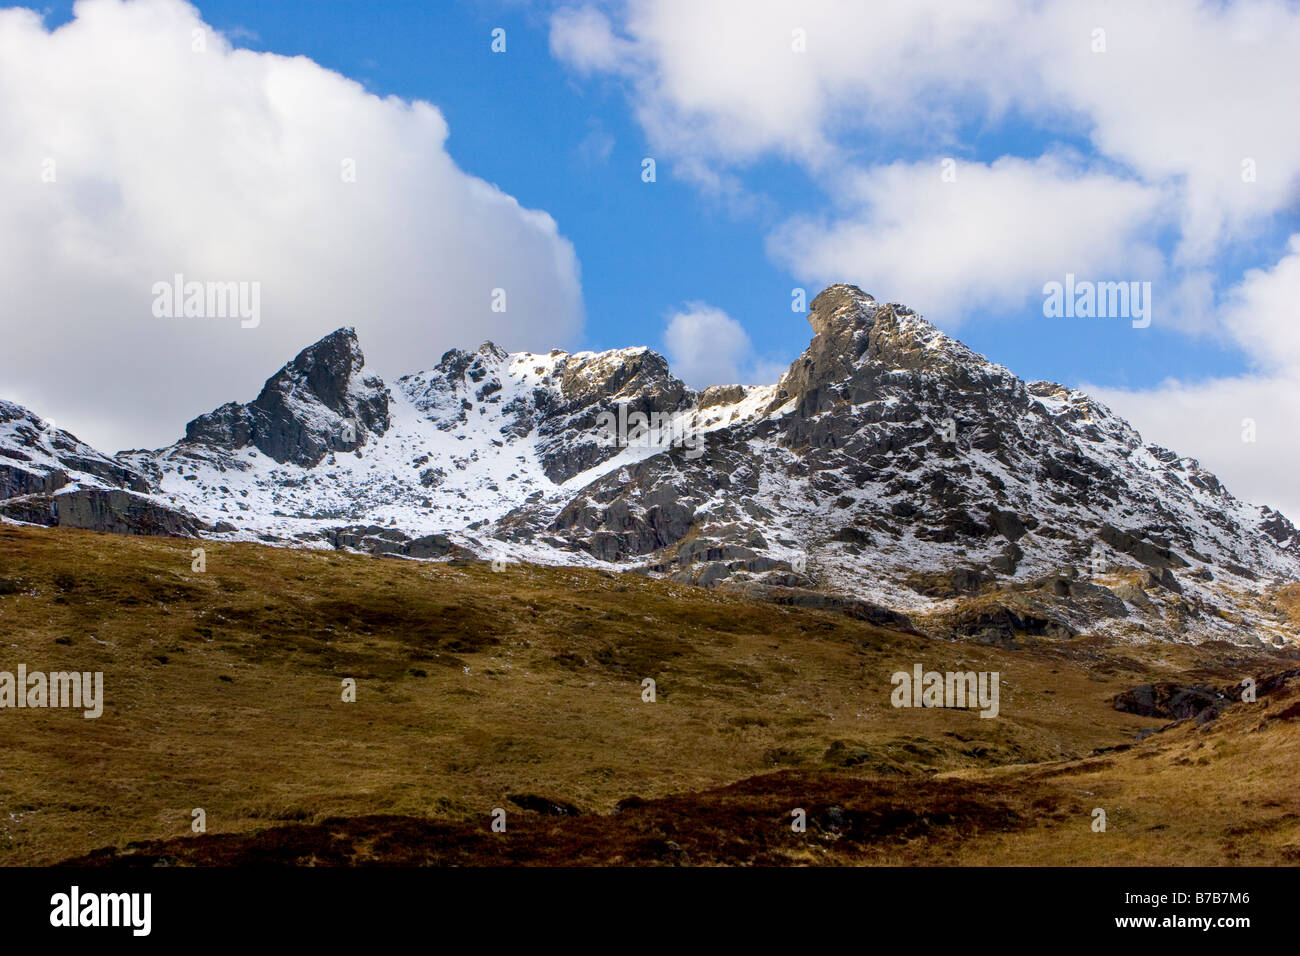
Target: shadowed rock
318, 403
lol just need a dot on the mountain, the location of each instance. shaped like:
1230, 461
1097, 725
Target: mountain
49, 477
891, 473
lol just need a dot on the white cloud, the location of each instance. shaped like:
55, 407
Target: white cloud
1263, 313
725, 80
583, 38
227, 164
985, 236
1184, 93
705, 346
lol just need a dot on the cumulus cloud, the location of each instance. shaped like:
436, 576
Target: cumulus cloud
1263, 313
727, 79
947, 239
705, 346
1184, 93
137, 143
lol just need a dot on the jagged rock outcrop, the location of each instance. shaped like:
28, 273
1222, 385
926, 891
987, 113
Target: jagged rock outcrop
318, 403
104, 509
1173, 701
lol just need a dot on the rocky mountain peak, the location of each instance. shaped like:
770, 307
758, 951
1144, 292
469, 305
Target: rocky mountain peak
860, 344
840, 310
635, 374
324, 371
849, 325
458, 364
319, 402
589, 384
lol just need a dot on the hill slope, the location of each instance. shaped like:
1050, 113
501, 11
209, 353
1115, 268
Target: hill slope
223, 692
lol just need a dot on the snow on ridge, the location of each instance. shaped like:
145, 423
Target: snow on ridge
499, 452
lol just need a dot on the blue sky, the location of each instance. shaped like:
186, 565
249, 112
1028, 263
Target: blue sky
776, 169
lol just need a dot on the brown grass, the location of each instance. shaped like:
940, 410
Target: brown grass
223, 692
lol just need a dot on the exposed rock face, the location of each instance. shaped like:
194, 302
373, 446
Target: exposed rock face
16, 480
36, 457
121, 512
1170, 701
103, 509
1182, 701
318, 403
890, 466
390, 541
1153, 553
721, 395
592, 383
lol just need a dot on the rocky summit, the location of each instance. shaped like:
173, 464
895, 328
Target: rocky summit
891, 474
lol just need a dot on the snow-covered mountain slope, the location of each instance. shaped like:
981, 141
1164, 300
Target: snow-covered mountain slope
49, 477
35, 456
463, 444
890, 463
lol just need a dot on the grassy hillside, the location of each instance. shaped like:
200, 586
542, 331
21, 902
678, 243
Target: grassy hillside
223, 692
